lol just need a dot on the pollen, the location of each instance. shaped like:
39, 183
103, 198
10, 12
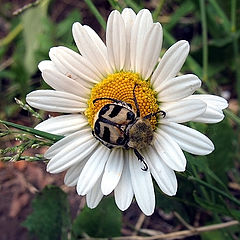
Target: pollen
120, 86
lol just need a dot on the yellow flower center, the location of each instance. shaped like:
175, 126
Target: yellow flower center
120, 86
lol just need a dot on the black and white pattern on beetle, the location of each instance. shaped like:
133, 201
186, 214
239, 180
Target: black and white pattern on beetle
117, 125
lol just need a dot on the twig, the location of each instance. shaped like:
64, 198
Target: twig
6, 64
139, 223
188, 226
179, 234
25, 7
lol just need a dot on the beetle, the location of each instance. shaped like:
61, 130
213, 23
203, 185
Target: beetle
116, 124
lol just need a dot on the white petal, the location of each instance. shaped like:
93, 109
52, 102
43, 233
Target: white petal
113, 171
187, 138
140, 28
183, 110
71, 152
63, 125
63, 83
164, 176
73, 64
211, 115
128, 16
142, 185
56, 101
177, 88
123, 193
169, 151
73, 173
91, 47
211, 100
116, 40
58, 146
46, 64
94, 196
93, 169
171, 63
150, 51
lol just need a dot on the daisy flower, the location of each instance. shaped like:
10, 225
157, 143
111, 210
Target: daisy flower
98, 152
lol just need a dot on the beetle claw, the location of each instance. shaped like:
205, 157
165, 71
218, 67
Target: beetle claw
141, 159
145, 168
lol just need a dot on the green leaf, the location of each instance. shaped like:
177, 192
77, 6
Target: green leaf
50, 219
33, 28
103, 221
219, 235
201, 162
221, 159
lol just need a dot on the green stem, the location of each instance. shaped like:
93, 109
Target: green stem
45, 135
233, 15
203, 190
224, 20
115, 4
231, 198
96, 13
12, 35
132, 4
235, 44
158, 10
204, 40
233, 116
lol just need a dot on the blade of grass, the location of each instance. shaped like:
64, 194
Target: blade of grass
96, 13
224, 20
231, 198
115, 5
42, 134
12, 35
133, 5
235, 44
158, 10
204, 40
184, 9
233, 15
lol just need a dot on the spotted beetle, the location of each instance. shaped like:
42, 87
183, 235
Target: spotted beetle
117, 125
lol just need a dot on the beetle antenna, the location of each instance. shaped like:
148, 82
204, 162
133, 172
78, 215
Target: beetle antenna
141, 159
106, 98
135, 101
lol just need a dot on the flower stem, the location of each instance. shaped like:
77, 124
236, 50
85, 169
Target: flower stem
45, 135
204, 40
223, 18
12, 35
235, 44
96, 13
115, 4
158, 10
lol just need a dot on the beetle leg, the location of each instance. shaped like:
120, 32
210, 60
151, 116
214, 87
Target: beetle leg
154, 114
141, 159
